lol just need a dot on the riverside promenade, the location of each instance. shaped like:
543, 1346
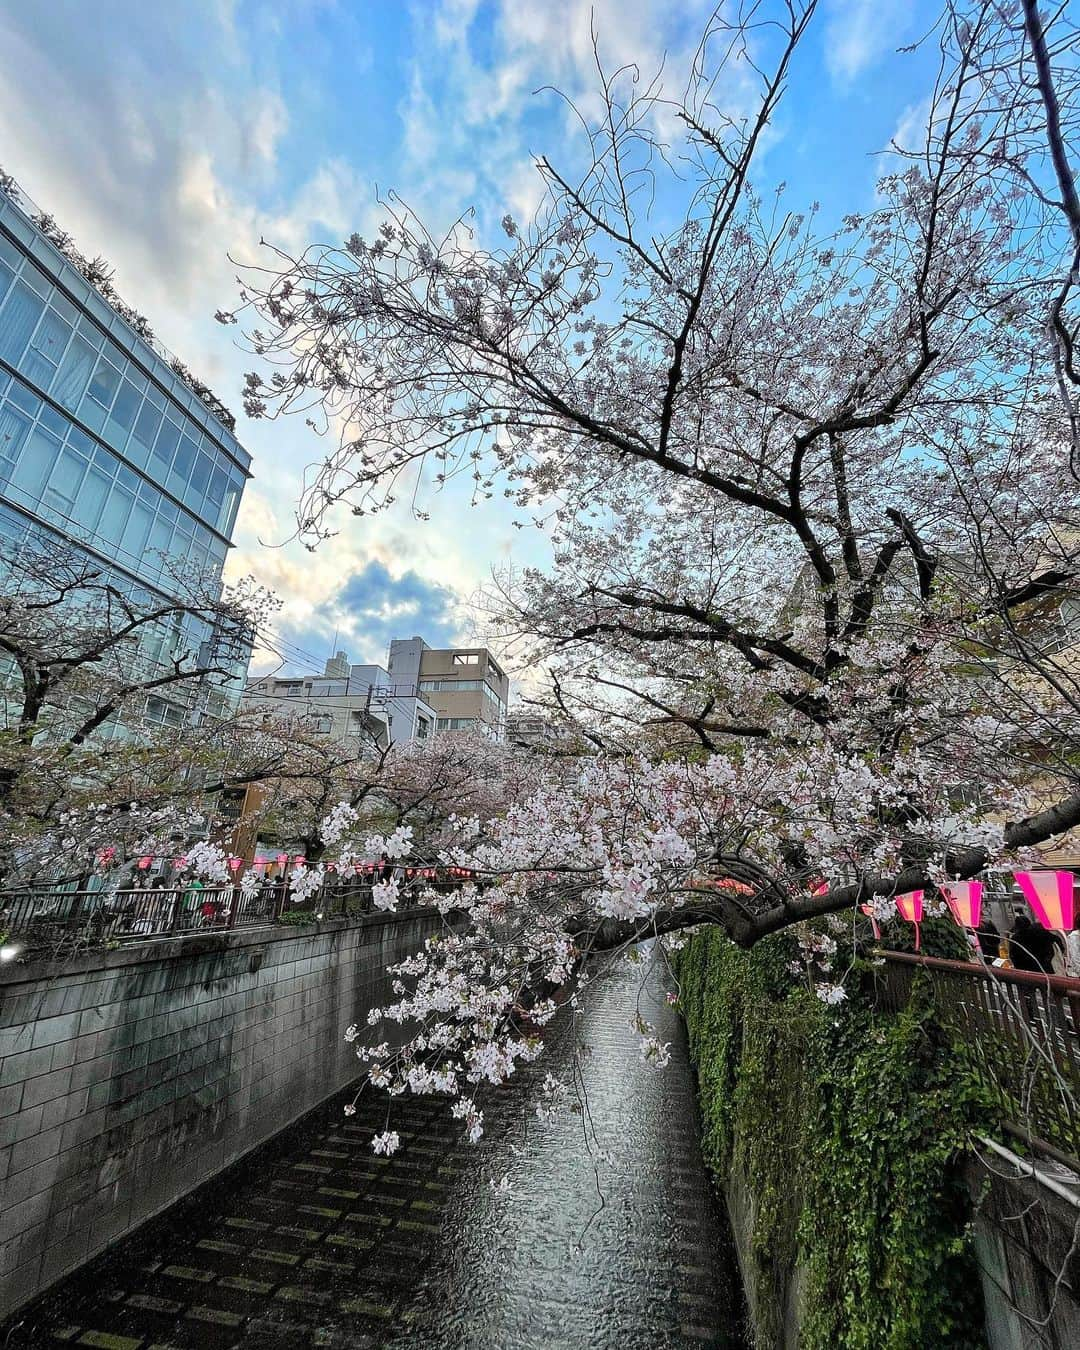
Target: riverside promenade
313, 1241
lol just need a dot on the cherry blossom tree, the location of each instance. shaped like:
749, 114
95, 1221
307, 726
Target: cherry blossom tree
809, 487
116, 709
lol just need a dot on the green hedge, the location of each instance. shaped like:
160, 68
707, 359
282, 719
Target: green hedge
849, 1126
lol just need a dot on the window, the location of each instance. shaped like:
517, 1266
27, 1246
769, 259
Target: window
104, 385
450, 686
20, 317
465, 659
35, 463
70, 382
423, 728
13, 429
65, 481
46, 348
122, 417
456, 723
142, 438
322, 724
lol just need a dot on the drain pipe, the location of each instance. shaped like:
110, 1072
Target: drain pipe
1029, 1169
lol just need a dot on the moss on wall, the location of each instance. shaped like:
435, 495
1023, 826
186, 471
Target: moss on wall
844, 1131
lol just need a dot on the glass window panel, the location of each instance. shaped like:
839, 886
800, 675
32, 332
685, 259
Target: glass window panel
81, 441
7, 276
160, 535
137, 529
36, 279
169, 510
164, 449
216, 491
14, 426
93, 414
142, 438
127, 478
36, 368
105, 383
35, 463
182, 464
71, 380
54, 421
23, 398
88, 504
19, 318
65, 480
115, 515
154, 395
52, 336
90, 331
123, 413
227, 514
200, 479
64, 307
10, 253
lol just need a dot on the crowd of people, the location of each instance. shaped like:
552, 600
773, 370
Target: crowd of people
1029, 946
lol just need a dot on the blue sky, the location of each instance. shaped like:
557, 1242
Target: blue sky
165, 137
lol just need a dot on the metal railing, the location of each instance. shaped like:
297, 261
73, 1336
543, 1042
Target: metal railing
1019, 1031
46, 917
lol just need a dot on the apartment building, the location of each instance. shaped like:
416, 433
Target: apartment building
346, 701
421, 692
465, 685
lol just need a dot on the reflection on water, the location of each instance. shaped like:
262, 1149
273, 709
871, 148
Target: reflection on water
315, 1242
622, 1254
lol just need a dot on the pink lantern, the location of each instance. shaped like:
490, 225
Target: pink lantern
331, 867
282, 858
144, 863
358, 868
909, 907
866, 909
1050, 895
299, 860
964, 899
235, 864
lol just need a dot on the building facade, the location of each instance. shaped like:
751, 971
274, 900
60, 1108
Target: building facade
346, 702
465, 685
422, 692
104, 446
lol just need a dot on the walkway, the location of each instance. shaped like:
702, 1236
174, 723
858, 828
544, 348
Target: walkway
314, 1242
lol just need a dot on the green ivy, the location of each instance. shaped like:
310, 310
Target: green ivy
849, 1127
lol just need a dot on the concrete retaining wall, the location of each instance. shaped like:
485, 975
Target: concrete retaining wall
129, 1077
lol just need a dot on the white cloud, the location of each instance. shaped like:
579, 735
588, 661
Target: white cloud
859, 32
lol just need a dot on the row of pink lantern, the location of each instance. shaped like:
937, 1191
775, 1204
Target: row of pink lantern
1050, 895
282, 860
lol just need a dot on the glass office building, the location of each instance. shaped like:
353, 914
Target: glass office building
103, 444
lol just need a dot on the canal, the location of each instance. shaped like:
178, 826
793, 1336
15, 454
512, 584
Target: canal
314, 1242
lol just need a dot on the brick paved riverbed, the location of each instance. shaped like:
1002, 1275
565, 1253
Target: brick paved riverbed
315, 1242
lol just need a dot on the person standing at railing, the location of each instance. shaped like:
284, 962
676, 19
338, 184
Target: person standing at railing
987, 938
1072, 952
1032, 947
192, 902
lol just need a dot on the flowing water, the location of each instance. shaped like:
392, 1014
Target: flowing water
314, 1241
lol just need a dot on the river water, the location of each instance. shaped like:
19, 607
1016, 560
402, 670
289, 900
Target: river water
315, 1242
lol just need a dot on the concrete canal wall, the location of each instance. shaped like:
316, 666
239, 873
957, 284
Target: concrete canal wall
129, 1077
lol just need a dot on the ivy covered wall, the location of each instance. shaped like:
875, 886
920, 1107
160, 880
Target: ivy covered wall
838, 1135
